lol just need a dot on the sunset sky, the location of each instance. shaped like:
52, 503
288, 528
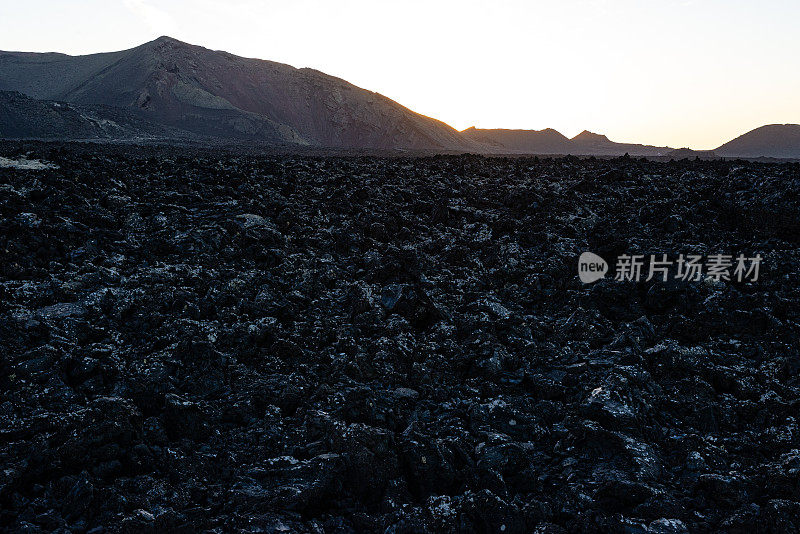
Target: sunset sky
663, 72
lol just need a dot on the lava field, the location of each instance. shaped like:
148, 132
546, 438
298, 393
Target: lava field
206, 340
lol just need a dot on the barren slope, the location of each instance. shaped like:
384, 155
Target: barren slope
220, 94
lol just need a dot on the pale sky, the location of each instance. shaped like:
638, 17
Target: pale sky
681, 73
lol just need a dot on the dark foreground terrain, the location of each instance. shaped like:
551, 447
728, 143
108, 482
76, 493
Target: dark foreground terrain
210, 341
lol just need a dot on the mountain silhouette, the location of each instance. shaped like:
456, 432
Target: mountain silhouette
590, 138
550, 141
167, 89
218, 94
772, 141
546, 141
588, 143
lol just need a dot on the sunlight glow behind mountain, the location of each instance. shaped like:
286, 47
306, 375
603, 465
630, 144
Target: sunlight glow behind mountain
678, 73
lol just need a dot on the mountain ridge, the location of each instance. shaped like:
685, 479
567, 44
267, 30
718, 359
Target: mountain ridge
550, 141
219, 94
771, 141
184, 90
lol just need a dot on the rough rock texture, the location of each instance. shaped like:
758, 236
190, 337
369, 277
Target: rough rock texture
209, 341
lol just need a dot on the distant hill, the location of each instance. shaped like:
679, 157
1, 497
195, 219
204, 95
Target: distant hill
546, 141
219, 94
683, 153
772, 141
172, 90
550, 141
589, 143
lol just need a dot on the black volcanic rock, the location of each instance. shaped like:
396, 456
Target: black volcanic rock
771, 141
195, 340
212, 93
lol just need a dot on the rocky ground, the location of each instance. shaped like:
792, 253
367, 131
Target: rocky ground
227, 342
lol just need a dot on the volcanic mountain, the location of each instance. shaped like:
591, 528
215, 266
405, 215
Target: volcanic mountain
589, 143
217, 94
772, 141
550, 141
546, 141
174, 91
